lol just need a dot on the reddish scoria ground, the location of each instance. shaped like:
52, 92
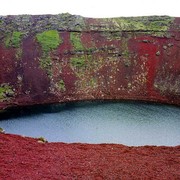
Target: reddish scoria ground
26, 158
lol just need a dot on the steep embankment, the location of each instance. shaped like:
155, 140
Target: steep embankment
59, 58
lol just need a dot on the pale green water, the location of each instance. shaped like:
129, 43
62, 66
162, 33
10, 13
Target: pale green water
127, 123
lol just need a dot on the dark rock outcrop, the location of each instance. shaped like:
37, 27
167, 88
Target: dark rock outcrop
61, 58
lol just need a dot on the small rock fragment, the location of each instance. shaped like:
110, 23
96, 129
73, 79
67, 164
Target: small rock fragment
164, 47
42, 140
158, 53
145, 41
170, 44
2, 130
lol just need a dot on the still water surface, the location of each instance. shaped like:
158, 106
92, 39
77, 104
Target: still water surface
128, 123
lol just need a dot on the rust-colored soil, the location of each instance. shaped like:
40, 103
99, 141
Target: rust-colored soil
26, 158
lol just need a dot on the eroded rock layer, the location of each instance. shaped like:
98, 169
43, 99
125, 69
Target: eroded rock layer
61, 58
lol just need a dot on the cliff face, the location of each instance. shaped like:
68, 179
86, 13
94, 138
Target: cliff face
60, 58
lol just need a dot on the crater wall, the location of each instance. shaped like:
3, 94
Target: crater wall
60, 58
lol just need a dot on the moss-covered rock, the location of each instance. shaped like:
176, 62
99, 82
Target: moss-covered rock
6, 92
2, 130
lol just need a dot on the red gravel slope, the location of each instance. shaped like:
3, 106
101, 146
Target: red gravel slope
26, 158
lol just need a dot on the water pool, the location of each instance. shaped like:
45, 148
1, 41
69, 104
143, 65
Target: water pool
128, 123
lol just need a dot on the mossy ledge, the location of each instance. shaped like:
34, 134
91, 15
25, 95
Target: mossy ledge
67, 22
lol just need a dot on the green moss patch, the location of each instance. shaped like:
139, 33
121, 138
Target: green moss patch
5, 92
93, 82
128, 24
45, 63
76, 41
78, 62
14, 40
152, 23
61, 85
49, 41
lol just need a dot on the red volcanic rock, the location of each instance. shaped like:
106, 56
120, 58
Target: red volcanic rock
60, 58
27, 158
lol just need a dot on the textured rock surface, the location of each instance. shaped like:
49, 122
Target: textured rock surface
27, 158
59, 58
